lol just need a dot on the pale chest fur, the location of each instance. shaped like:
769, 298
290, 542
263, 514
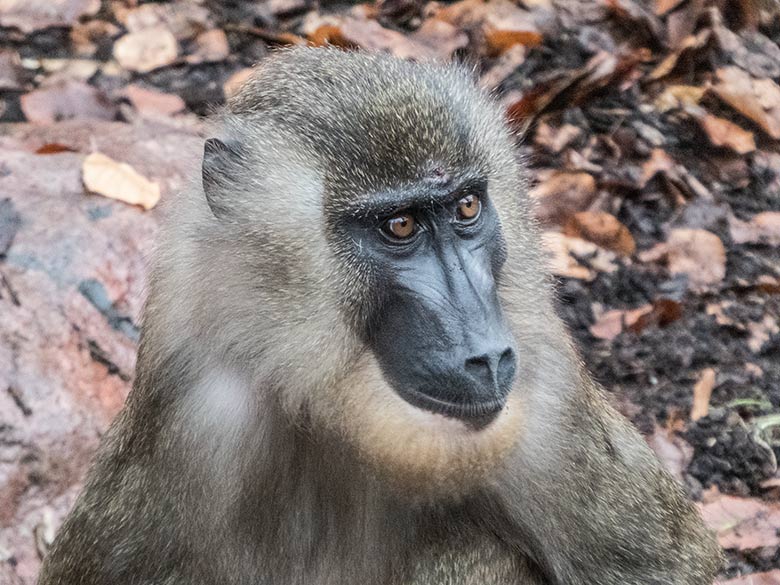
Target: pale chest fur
475, 560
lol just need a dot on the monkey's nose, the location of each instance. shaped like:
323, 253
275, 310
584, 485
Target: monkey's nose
493, 370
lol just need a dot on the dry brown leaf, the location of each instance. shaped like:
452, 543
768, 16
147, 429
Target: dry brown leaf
659, 162
280, 7
352, 32
441, 36
763, 228
556, 139
688, 46
32, 15
664, 311
150, 101
500, 41
761, 332
612, 323
682, 22
503, 67
11, 73
770, 578
67, 100
503, 24
718, 310
562, 194
87, 36
146, 50
672, 450
603, 229
565, 251
756, 99
724, 133
679, 96
702, 391
664, 6
184, 20
638, 16
120, 181
697, 253
743, 523
601, 70
68, 70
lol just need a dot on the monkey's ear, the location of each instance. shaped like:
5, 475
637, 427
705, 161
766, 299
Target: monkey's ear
219, 164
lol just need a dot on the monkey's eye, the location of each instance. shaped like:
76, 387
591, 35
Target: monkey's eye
469, 209
401, 227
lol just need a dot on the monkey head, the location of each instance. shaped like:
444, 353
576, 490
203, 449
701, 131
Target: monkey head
372, 235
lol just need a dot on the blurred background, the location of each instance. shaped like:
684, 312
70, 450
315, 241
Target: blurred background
652, 131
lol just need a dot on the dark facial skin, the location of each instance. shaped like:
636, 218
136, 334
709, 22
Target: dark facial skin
436, 250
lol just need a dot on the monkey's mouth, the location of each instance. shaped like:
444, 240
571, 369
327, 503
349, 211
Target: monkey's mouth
477, 414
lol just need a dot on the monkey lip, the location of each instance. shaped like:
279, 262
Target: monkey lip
477, 414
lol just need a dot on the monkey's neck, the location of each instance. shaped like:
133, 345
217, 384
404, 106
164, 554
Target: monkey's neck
242, 473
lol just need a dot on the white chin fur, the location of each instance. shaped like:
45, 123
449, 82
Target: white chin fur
414, 447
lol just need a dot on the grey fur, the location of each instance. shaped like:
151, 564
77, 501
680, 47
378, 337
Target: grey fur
260, 444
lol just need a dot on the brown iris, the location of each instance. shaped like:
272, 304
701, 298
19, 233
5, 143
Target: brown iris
400, 227
469, 208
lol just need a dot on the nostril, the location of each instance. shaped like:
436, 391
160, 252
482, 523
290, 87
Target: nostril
494, 370
506, 369
479, 368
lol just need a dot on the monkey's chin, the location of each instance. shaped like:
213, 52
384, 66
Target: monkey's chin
475, 415
423, 454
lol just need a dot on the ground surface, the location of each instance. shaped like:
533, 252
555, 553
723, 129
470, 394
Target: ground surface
652, 135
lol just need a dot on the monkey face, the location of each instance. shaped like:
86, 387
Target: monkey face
386, 255
437, 328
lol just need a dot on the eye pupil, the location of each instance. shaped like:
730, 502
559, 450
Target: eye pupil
469, 208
